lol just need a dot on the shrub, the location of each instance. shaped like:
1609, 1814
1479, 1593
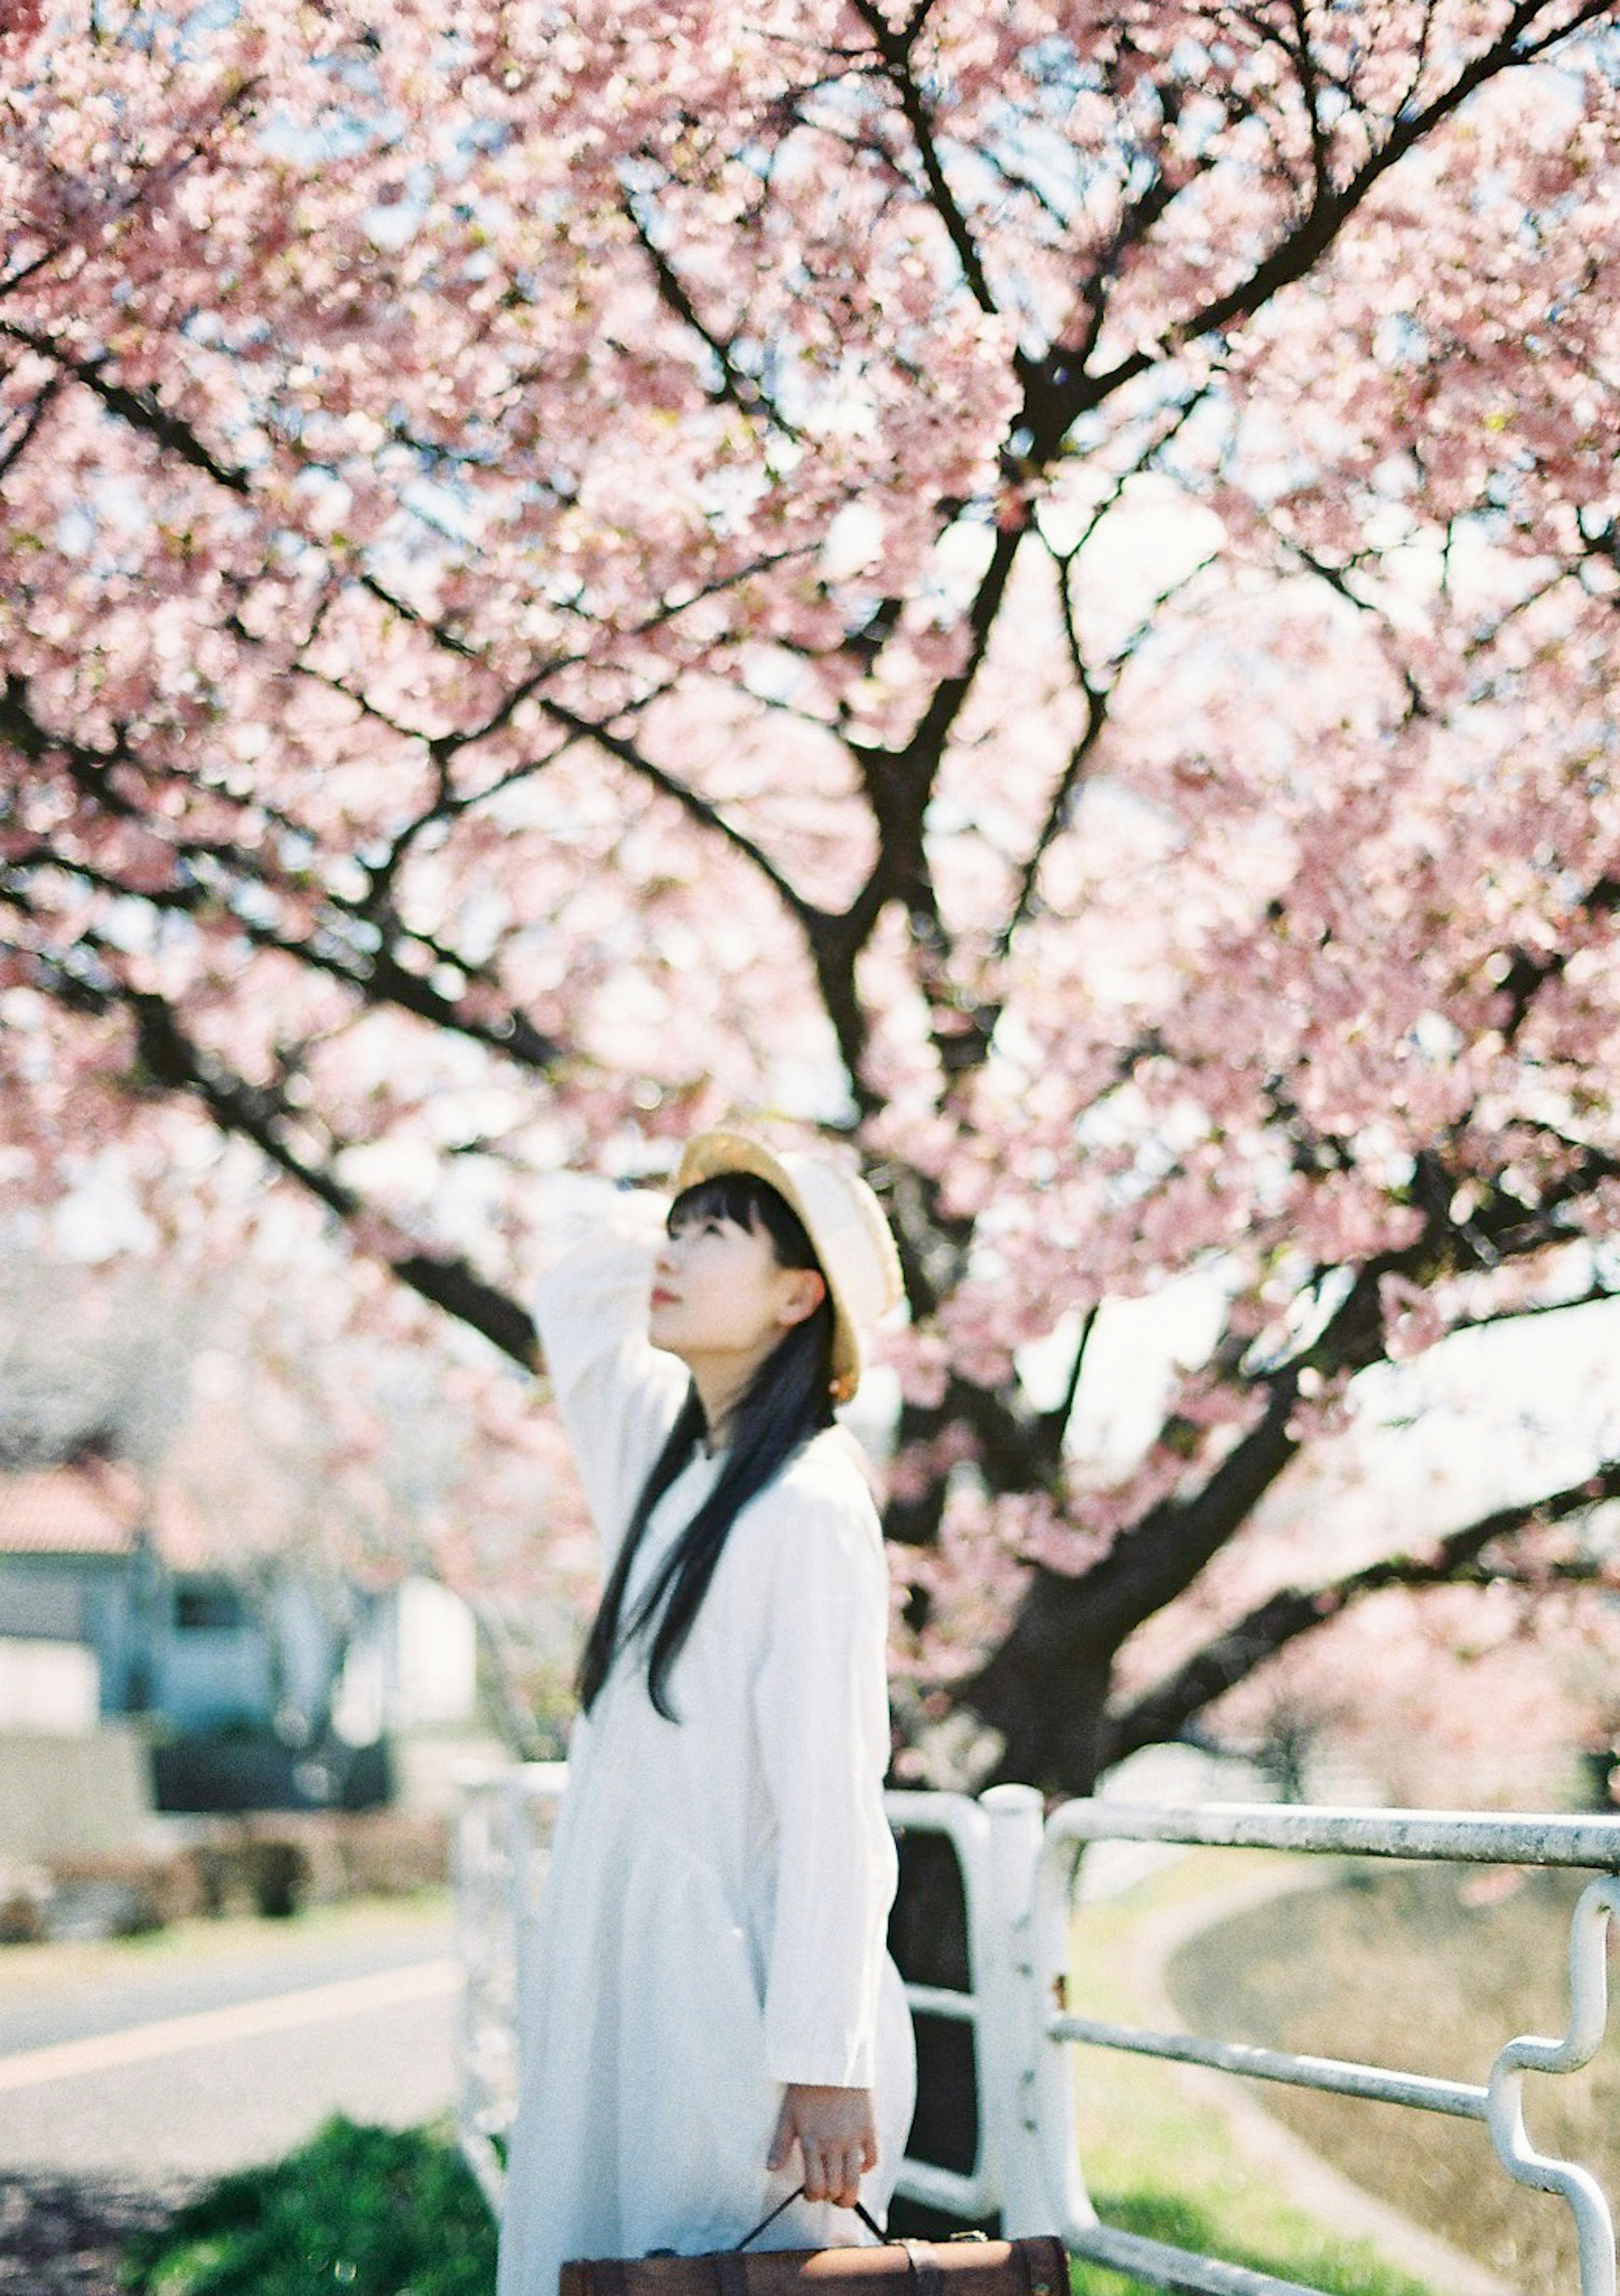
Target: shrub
268, 1872
118, 1893
24, 1896
369, 2211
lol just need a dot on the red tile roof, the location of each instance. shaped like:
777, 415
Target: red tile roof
94, 1510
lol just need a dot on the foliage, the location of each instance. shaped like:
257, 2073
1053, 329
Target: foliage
378, 2212
1031, 590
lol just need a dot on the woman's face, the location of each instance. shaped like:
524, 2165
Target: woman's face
721, 1299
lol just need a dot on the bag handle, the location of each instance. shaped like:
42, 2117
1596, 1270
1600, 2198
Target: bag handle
860, 2209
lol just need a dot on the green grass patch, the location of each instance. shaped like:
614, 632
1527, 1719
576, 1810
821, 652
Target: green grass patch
357, 2212
1295, 2251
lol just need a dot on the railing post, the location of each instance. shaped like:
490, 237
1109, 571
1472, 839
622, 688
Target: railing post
1010, 2010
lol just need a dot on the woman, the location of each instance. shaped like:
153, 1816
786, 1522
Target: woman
713, 2021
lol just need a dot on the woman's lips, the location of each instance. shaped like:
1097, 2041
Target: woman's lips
661, 1298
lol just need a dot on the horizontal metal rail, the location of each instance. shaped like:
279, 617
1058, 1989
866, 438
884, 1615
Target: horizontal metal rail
1452, 1835
941, 2001
1464, 2101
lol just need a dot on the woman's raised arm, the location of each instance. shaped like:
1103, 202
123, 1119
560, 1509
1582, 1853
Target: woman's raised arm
617, 1394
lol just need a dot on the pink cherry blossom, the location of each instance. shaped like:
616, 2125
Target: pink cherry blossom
1028, 590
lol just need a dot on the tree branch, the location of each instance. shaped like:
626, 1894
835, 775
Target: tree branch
736, 388
1164, 1712
697, 809
218, 875
41, 408
239, 100
142, 410
175, 1062
895, 46
1303, 247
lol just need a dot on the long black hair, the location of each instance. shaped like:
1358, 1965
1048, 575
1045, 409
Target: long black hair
788, 1399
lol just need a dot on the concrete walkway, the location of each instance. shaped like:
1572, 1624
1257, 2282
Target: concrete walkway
156, 2062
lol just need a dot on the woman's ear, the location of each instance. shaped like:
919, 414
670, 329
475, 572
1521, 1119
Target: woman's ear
803, 1291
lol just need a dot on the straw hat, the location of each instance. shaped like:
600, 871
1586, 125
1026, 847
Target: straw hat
842, 1219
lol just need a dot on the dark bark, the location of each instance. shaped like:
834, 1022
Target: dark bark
1046, 1688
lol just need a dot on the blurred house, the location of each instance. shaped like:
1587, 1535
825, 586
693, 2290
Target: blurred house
114, 1628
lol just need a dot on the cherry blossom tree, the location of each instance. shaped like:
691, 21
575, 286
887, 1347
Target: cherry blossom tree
1030, 590
85, 1378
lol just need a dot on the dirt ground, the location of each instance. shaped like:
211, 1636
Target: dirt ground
62, 2236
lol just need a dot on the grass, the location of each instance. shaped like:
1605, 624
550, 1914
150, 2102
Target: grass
357, 2212
1430, 1969
1290, 2251
1159, 2161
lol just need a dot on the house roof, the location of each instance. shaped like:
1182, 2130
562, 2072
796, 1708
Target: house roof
97, 1510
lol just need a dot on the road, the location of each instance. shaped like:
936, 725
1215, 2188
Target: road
223, 2045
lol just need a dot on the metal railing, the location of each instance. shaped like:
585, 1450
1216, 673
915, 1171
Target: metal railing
1590, 1843
502, 1830
1018, 1877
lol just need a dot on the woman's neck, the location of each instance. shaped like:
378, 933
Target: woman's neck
720, 1386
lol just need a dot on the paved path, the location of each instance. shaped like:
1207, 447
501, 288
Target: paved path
218, 2048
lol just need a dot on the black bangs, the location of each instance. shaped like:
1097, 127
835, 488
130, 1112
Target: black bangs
751, 1202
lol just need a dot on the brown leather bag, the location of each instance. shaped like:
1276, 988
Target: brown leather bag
965, 2265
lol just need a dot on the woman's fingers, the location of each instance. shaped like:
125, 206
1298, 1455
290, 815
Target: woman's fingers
836, 2136
782, 2142
835, 2175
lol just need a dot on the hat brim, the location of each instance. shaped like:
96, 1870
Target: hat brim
709, 1154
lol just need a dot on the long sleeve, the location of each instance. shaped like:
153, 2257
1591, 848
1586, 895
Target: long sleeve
618, 1395
821, 1711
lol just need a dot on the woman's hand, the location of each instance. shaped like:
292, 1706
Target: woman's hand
836, 2135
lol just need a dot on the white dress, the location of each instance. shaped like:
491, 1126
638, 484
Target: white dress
713, 1920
